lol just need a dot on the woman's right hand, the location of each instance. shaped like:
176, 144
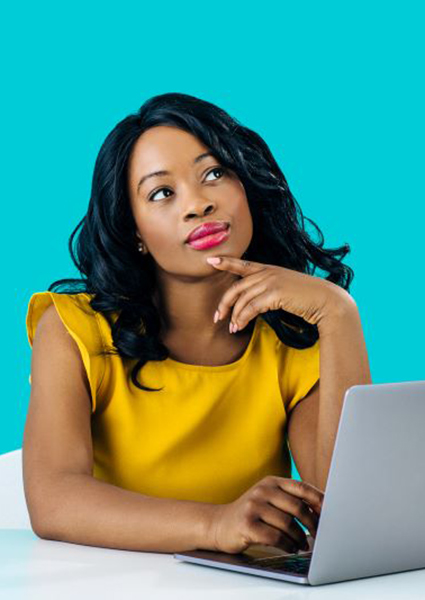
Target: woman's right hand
265, 513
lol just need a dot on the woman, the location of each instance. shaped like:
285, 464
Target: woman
154, 423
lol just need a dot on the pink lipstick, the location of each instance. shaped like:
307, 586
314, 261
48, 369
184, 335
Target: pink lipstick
208, 241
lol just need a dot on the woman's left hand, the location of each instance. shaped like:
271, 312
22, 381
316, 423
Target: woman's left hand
265, 287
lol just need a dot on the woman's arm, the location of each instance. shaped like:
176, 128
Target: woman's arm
343, 355
65, 502
313, 423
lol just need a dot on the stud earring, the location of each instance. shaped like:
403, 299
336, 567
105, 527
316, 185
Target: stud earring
141, 247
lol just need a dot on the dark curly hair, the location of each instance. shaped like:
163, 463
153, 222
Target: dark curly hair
122, 281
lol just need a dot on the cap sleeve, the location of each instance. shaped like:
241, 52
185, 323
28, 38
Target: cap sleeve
299, 370
81, 321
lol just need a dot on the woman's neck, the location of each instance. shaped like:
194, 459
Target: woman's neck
187, 308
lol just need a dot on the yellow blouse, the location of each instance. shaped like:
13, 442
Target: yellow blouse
210, 434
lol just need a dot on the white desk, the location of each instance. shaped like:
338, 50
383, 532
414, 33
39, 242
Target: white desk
33, 568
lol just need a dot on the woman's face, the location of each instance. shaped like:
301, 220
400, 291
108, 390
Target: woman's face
167, 207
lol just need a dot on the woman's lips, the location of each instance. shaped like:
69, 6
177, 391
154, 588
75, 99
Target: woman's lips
208, 241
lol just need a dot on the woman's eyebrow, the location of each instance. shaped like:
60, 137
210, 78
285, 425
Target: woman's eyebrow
159, 173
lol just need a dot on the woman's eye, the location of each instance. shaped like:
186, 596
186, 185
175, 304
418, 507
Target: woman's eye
157, 192
216, 169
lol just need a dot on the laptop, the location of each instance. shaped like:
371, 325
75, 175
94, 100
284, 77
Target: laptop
372, 519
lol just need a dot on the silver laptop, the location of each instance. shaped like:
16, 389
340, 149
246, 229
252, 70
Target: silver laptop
372, 520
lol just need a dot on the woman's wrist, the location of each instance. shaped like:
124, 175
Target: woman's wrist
209, 520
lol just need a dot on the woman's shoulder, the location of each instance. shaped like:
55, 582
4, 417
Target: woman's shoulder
85, 325
75, 312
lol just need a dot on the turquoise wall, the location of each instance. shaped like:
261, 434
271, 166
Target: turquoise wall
336, 89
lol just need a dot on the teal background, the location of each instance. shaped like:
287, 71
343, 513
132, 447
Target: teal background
336, 90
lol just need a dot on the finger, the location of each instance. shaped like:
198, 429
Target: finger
267, 535
261, 303
250, 299
301, 489
235, 290
236, 265
285, 522
316, 520
297, 508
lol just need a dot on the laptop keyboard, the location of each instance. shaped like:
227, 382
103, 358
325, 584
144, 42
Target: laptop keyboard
294, 564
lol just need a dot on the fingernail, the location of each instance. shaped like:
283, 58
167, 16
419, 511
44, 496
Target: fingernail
216, 315
214, 260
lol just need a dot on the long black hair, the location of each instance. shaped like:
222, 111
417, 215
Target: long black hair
122, 280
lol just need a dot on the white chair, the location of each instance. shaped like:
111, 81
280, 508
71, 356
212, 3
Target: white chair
13, 508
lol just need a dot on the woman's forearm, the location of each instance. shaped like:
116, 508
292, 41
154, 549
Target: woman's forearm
83, 510
343, 363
